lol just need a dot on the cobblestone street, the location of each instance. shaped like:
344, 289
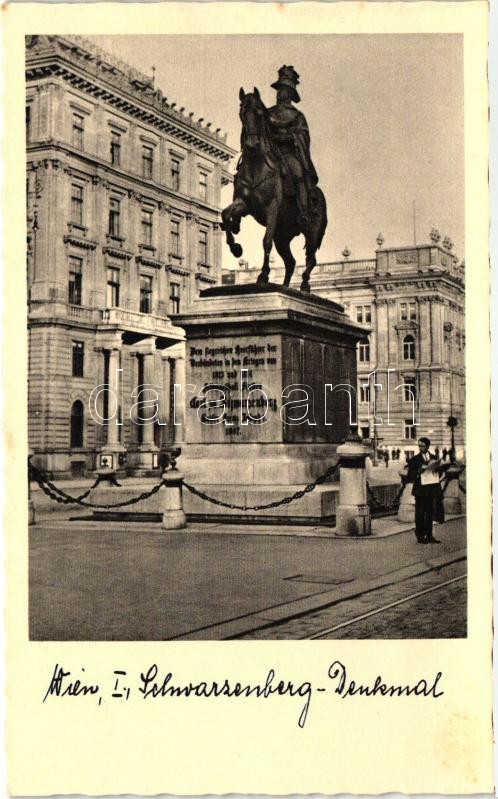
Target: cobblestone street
129, 581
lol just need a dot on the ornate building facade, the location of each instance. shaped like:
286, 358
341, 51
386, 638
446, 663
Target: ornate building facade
123, 196
411, 372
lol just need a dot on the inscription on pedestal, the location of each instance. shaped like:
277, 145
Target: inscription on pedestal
237, 393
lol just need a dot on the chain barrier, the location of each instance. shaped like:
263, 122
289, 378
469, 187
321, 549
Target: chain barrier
445, 484
375, 503
60, 496
276, 503
395, 504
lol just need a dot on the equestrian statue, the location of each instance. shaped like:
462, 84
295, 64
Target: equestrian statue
276, 182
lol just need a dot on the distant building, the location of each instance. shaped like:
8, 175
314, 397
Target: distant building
413, 301
123, 196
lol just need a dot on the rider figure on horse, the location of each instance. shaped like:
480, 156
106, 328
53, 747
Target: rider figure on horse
288, 130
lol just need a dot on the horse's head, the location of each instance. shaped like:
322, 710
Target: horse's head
252, 116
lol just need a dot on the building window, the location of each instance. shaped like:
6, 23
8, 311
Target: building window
203, 247
145, 294
363, 314
203, 185
175, 237
114, 210
146, 227
75, 280
174, 298
364, 352
147, 162
408, 348
404, 311
410, 430
409, 389
77, 420
77, 204
28, 123
364, 392
112, 298
78, 358
115, 148
412, 311
175, 174
78, 131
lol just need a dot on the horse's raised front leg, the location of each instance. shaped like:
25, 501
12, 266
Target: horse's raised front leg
271, 223
231, 217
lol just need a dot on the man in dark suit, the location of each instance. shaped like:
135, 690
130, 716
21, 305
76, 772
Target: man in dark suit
423, 471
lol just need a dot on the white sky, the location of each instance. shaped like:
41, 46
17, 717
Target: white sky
385, 114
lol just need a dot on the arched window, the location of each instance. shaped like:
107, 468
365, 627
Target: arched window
408, 348
77, 420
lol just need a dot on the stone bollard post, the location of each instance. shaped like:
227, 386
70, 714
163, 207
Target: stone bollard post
353, 513
31, 507
452, 498
173, 514
406, 510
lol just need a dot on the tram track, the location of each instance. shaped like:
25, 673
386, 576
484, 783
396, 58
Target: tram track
382, 609
371, 600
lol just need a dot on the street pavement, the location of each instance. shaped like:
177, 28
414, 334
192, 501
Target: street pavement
134, 581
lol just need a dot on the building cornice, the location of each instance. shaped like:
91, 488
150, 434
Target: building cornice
147, 260
116, 252
79, 241
127, 91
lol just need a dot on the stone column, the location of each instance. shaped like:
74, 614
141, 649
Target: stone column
164, 402
113, 427
353, 513
132, 233
217, 250
148, 437
143, 460
179, 395
162, 232
99, 404
424, 340
382, 334
437, 330
392, 334
112, 446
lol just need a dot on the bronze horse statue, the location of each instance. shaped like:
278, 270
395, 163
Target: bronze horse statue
260, 192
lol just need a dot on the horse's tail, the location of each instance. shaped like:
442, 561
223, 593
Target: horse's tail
322, 211
318, 213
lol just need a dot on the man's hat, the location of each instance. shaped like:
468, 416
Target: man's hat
288, 77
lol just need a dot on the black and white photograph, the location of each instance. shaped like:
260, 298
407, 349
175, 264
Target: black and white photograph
246, 313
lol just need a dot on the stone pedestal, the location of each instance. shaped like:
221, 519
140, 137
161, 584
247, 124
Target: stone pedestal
452, 495
172, 501
353, 513
261, 422
406, 510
